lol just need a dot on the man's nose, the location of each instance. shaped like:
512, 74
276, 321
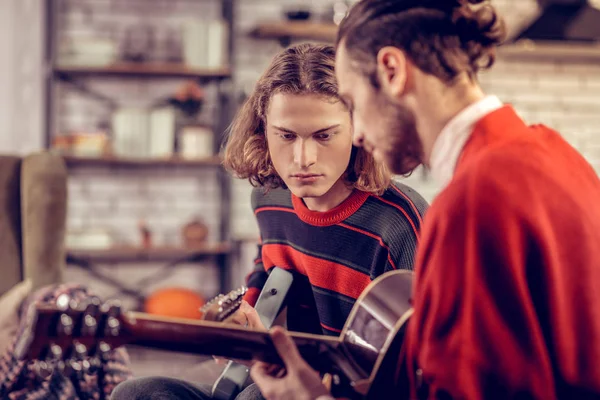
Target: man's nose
305, 153
358, 138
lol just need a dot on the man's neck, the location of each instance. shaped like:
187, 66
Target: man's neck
333, 198
435, 104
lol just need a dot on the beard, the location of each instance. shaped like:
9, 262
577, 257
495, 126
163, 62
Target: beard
403, 151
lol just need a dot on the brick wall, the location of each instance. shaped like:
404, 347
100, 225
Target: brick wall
116, 200
561, 93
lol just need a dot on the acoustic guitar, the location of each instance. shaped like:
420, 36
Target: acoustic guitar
362, 360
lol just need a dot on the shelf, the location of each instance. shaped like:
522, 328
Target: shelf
109, 161
156, 254
286, 30
553, 50
523, 49
144, 70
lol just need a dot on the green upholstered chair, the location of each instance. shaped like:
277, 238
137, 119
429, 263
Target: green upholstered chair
33, 208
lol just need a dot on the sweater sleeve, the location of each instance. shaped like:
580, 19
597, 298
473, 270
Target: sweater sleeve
256, 279
474, 333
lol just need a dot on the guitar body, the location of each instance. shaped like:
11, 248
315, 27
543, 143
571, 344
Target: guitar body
362, 360
373, 335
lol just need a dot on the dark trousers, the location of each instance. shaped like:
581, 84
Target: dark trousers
160, 388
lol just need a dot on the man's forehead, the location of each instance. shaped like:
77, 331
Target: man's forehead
341, 55
341, 68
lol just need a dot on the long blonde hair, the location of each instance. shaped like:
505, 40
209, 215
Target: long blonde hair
302, 69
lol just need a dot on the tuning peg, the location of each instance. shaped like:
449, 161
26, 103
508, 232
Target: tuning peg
91, 365
60, 367
90, 315
65, 326
75, 305
211, 302
43, 369
79, 350
90, 325
224, 302
56, 352
112, 327
111, 307
62, 302
72, 367
85, 366
94, 303
103, 350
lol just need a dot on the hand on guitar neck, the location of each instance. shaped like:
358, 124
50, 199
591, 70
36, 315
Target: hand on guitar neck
247, 317
295, 366
297, 380
231, 309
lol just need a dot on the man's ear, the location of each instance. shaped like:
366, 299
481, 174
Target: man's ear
393, 69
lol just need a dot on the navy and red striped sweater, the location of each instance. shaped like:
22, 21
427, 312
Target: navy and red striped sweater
335, 254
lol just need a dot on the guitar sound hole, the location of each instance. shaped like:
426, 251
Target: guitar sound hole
365, 339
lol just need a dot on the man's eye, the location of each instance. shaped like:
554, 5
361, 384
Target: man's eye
349, 105
323, 136
287, 136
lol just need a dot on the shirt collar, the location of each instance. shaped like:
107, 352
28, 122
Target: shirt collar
451, 140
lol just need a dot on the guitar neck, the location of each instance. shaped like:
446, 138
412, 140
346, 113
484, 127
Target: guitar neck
213, 338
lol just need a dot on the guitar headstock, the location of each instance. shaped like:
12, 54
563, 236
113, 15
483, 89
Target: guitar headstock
222, 306
71, 336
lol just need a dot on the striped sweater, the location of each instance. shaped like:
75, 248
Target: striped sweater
335, 254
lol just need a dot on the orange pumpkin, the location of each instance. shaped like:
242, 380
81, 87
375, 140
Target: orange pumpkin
175, 302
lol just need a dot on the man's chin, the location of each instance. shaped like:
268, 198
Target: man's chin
306, 192
379, 156
386, 159
310, 190
395, 164
402, 167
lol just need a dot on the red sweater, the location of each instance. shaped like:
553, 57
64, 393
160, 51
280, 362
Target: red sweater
333, 255
507, 290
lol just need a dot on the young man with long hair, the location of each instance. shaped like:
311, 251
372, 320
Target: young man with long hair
505, 297
326, 210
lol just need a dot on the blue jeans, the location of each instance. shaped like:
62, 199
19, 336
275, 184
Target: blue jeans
161, 388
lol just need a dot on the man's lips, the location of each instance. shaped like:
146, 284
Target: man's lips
305, 175
306, 178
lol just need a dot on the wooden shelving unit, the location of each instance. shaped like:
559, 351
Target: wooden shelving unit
527, 49
285, 31
144, 70
81, 78
298, 30
155, 254
120, 162
170, 256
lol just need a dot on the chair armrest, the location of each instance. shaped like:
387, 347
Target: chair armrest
43, 218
